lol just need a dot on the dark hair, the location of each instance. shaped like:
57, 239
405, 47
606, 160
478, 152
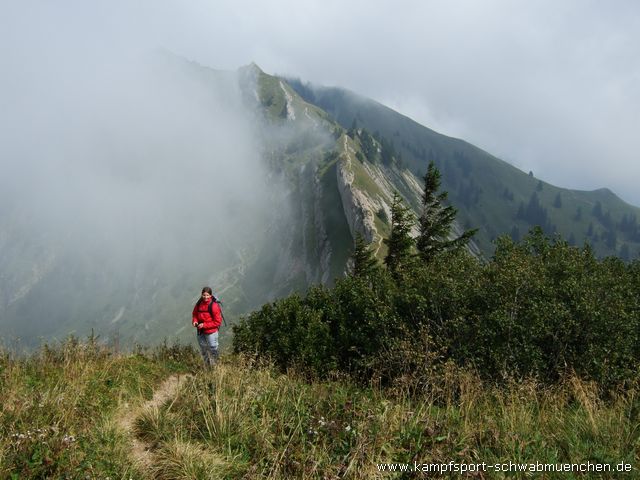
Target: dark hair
207, 290
204, 290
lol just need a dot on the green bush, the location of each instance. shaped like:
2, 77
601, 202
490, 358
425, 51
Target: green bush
539, 308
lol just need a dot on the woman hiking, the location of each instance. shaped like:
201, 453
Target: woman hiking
207, 318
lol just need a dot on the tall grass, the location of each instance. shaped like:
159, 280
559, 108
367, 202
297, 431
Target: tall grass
58, 405
244, 420
258, 423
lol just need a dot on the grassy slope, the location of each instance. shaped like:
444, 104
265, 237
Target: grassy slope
59, 404
335, 223
304, 155
59, 420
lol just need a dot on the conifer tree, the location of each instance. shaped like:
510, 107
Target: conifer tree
353, 131
578, 216
597, 210
364, 260
436, 219
557, 203
399, 242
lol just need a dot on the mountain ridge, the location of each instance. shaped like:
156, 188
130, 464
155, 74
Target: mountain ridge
477, 181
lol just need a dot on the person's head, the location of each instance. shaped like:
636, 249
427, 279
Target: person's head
206, 294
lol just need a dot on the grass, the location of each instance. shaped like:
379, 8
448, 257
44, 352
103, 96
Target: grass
245, 420
259, 423
56, 417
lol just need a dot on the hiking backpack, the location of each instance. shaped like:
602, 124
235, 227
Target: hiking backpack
217, 300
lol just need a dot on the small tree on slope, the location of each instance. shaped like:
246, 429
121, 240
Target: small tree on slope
437, 219
364, 260
399, 242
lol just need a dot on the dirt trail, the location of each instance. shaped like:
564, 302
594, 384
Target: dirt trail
140, 451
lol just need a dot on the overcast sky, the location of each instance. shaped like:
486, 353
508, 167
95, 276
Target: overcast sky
552, 86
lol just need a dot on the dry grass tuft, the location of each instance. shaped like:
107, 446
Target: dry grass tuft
180, 460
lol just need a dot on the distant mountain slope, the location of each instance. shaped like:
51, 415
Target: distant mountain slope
489, 193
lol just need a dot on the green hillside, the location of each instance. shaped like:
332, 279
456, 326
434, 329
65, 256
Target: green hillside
488, 192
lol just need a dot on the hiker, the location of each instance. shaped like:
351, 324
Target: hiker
207, 317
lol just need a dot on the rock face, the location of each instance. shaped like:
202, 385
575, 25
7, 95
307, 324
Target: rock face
357, 205
366, 190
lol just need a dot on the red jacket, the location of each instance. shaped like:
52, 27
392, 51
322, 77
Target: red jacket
201, 315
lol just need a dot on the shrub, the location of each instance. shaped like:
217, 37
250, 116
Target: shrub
539, 308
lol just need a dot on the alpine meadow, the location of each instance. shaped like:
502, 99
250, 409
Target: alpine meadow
399, 303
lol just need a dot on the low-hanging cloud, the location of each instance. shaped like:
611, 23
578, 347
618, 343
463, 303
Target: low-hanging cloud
125, 168
148, 153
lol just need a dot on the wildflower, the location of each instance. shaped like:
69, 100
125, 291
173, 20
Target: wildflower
347, 428
18, 436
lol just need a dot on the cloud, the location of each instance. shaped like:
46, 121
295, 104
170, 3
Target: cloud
551, 87
114, 149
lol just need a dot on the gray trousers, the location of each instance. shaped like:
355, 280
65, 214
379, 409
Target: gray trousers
208, 347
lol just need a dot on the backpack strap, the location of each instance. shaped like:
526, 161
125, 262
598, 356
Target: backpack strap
215, 299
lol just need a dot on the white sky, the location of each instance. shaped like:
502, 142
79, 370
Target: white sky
551, 86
